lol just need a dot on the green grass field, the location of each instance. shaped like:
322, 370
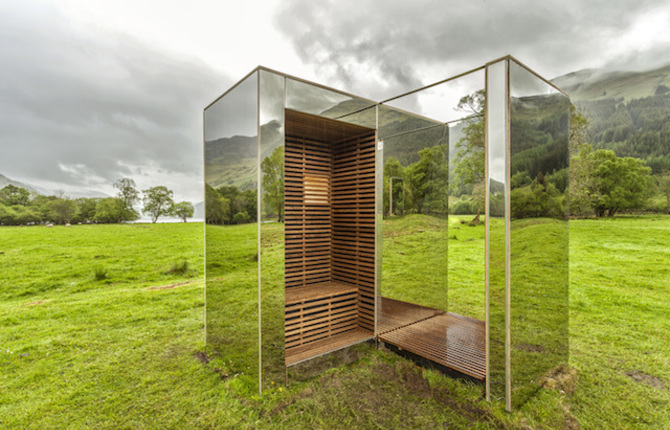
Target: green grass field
102, 327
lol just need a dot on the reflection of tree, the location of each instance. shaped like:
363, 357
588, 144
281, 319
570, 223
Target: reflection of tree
429, 181
273, 184
217, 207
469, 167
229, 205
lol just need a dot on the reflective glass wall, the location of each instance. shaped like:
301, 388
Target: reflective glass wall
538, 156
527, 230
231, 230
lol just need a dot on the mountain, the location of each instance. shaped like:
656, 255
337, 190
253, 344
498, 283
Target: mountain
4, 181
597, 84
628, 112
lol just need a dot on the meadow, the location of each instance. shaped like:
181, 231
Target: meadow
102, 327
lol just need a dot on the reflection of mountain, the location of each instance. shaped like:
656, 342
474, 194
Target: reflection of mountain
232, 160
538, 133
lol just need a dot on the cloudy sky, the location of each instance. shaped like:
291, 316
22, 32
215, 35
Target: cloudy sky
92, 91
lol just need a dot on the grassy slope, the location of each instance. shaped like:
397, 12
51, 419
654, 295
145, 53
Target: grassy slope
114, 354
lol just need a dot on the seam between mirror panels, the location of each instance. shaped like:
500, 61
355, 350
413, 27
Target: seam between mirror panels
487, 227
204, 232
508, 246
258, 226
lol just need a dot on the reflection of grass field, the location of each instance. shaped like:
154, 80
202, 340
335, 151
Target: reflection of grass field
89, 354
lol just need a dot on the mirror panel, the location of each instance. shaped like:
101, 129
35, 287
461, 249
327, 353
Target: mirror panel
496, 240
539, 133
272, 126
231, 231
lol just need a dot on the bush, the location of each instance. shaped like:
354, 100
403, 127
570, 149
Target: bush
241, 217
100, 273
179, 268
462, 207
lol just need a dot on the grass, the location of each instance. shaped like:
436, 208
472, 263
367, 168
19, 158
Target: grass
127, 351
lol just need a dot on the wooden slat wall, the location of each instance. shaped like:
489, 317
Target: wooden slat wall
353, 212
308, 226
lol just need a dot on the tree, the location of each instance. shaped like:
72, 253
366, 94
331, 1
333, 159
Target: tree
664, 187
182, 210
273, 183
617, 184
87, 208
129, 195
13, 195
63, 209
157, 201
429, 181
217, 207
109, 210
469, 163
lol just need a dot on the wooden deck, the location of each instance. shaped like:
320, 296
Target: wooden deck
448, 339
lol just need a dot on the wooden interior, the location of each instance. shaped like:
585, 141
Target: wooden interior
329, 235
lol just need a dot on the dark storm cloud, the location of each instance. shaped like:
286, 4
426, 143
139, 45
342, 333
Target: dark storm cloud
393, 45
82, 106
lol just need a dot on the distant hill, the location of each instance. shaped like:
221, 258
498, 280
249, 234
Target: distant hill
595, 84
629, 112
4, 181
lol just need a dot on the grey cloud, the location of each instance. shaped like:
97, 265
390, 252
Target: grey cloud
80, 105
409, 43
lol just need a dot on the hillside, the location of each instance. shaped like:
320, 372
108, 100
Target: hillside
629, 112
4, 181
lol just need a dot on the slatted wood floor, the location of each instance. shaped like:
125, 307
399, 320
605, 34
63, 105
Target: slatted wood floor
449, 339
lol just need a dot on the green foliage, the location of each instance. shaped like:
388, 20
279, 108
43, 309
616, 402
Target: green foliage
636, 128
217, 207
664, 187
273, 184
157, 202
429, 181
239, 201
539, 199
182, 210
62, 210
14, 196
129, 195
241, 218
617, 184
109, 210
469, 157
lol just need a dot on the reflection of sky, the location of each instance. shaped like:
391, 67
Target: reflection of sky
272, 97
440, 102
524, 83
496, 121
313, 99
235, 113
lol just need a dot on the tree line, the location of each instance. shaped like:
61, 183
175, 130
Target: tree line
18, 206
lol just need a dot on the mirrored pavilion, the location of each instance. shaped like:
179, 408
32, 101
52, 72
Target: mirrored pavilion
434, 223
